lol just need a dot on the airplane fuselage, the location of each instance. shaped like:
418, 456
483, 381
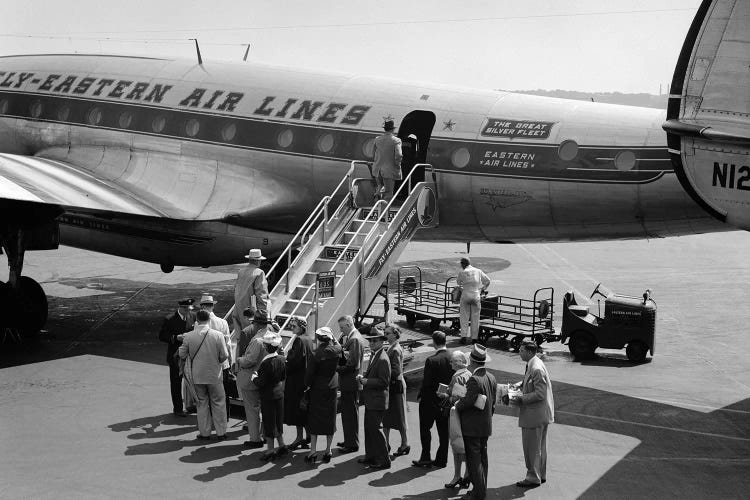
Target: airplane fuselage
235, 156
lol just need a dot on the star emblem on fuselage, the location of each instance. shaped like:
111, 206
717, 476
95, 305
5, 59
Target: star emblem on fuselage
448, 125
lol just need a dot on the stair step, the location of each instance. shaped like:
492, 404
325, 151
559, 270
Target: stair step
303, 309
281, 318
352, 236
333, 251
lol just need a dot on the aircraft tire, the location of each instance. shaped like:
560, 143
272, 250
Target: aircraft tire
636, 351
411, 320
33, 306
434, 324
582, 345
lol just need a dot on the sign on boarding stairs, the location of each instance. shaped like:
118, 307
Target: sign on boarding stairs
359, 241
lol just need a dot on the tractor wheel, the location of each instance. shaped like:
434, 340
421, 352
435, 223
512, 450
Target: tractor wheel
582, 345
411, 320
636, 351
434, 324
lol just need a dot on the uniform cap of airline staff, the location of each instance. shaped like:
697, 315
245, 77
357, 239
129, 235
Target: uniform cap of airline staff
208, 299
388, 125
479, 354
272, 338
260, 317
255, 254
187, 301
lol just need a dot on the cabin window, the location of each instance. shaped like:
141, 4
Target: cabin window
158, 123
228, 131
192, 126
3, 106
125, 120
568, 150
63, 113
94, 116
325, 143
36, 109
460, 157
625, 160
285, 138
368, 147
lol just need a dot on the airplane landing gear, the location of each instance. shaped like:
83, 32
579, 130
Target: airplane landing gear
23, 303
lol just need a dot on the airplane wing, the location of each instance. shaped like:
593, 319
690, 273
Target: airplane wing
708, 116
51, 182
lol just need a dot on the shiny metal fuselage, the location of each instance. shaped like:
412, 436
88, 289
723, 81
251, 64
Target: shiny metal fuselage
235, 156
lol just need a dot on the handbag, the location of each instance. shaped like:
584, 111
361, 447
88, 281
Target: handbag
456, 294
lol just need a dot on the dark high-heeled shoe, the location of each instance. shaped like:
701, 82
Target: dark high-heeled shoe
455, 483
465, 482
311, 457
402, 450
326, 457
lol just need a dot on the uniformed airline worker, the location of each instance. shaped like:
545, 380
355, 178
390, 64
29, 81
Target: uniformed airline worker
472, 282
386, 165
172, 329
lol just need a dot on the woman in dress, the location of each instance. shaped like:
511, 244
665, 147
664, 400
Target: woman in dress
296, 365
322, 382
456, 390
270, 381
395, 415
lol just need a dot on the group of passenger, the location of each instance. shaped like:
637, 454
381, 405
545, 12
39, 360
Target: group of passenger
315, 376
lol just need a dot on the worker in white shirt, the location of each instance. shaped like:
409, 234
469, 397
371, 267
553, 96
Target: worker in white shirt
472, 282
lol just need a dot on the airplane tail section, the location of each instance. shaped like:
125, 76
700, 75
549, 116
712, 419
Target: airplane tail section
708, 116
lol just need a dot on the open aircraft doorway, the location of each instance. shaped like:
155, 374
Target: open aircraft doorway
415, 131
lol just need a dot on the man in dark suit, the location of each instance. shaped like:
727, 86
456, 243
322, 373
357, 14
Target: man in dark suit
173, 325
437, 370
476, 419
375, 385
350, 366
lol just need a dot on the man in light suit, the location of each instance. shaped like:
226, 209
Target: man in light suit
250, 290
386, 164
205, 351
221, 326
250, 353
350, 366
375, 383
476, 423
536, 412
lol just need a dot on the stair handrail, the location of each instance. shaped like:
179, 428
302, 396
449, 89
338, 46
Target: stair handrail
308, 222
388, 207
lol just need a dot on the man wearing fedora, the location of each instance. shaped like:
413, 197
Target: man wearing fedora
386, 164
250, 352
536, 411
173, 326
476, 409
250, 290
204, 350
220, 325
375, 384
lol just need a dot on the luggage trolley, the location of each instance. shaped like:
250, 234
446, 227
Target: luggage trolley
417, 299
519, 318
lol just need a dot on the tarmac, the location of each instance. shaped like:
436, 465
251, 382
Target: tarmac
85, 410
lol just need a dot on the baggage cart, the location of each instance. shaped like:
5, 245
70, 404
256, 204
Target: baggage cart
518, 318
418, 299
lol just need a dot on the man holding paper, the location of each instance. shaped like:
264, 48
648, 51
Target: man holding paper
476, 409
536, 412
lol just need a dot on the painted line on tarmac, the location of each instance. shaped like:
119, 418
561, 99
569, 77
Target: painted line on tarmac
101, 322
652, 426
554, 273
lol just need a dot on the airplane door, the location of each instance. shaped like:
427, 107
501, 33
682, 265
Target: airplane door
415, 131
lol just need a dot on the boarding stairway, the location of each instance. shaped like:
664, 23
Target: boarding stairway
360, 241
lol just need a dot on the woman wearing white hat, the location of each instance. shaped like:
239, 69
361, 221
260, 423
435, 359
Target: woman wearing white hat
322, 382
270, 382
